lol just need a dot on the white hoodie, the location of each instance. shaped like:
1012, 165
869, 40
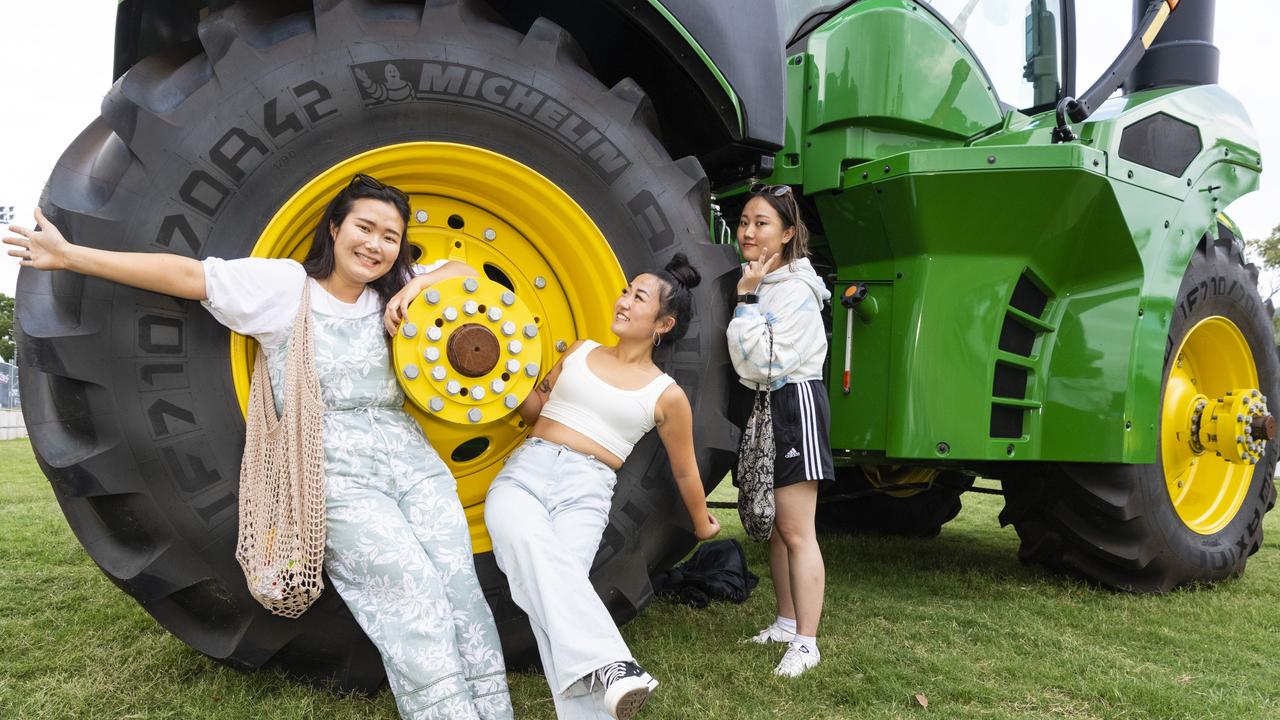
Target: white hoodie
791, 300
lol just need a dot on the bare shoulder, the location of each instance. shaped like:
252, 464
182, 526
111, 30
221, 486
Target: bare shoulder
672, 403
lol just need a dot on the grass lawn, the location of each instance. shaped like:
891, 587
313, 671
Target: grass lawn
955, 619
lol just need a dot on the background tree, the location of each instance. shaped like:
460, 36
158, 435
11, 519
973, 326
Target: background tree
6, 327
1266, 252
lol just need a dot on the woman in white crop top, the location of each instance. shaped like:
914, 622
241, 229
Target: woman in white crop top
547, 509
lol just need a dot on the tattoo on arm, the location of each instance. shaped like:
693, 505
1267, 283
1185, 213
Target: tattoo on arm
544, 386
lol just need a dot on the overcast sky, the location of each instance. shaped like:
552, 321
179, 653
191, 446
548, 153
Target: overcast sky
58, 54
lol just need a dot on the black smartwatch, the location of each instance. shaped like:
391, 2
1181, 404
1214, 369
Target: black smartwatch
748, 298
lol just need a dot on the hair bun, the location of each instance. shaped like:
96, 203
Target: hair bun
682, 271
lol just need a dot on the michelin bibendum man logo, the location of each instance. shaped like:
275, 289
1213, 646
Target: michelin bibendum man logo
389, 82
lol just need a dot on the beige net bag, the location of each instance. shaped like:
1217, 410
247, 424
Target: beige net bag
282, 521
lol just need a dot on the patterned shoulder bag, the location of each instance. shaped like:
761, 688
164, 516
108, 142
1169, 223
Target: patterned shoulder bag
754, 472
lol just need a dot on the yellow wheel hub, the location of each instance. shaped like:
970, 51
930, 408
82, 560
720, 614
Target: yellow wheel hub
468, 352
1214, 425
531, 244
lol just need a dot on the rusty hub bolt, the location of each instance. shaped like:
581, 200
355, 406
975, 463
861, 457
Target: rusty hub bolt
1263, 427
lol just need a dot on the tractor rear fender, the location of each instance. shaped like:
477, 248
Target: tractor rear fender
1021, 292
714, 73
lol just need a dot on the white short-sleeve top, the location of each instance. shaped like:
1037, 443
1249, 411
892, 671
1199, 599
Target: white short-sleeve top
259, 297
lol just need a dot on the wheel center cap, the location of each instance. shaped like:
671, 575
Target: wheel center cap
1236, 426
473, 350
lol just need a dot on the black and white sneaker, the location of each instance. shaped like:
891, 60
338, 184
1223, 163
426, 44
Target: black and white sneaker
626, 687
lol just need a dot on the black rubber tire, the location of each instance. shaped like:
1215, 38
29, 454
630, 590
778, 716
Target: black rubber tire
1115, 524
875, 513
128, 395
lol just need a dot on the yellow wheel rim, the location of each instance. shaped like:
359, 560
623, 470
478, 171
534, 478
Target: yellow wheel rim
511, 224
1212, 378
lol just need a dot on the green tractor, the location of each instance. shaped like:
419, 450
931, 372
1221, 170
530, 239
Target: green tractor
1050, 296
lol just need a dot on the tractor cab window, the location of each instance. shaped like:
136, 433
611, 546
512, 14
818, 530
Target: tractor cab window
1017, 42
795, 15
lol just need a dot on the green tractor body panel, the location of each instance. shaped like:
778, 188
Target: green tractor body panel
868, 87
1020, 291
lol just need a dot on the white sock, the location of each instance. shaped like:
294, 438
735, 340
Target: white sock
807, 641
786, 623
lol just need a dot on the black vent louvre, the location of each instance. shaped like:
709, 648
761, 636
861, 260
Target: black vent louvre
1161, 142
1010, 382
1016, 338
1028, 297
1006, 422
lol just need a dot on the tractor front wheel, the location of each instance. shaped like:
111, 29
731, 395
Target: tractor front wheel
518, 161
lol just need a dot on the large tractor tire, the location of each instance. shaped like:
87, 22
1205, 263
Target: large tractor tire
1195, 516
231, 146
856, 505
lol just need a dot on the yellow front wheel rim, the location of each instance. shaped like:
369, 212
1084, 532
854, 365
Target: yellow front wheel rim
1212, 381
510, 223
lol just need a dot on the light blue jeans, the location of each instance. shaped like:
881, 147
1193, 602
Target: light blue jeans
546, 512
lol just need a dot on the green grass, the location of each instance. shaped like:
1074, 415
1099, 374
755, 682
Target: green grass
955, 618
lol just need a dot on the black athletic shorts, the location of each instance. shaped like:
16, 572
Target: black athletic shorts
801, 421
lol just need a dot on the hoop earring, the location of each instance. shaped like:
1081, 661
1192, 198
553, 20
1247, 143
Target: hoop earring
657, 339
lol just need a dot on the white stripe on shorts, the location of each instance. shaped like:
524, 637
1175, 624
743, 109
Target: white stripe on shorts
809, 433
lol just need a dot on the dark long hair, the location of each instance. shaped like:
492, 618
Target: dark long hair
788, 210
679, 278
320, 261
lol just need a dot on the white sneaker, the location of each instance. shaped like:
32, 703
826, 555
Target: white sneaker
626, 688
772, 634
798, 659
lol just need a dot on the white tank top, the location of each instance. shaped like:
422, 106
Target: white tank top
611, 416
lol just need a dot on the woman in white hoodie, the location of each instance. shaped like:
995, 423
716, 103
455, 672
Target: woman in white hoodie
780, 291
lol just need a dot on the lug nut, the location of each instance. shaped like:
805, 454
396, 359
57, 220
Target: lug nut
561, 346
531, 331
438, 373
513, 366
453, 387
508, 328
408, 330
474, 415
451, 314
470, 285
495, 314
539, 282
490, 234
511, 401
432, 296
531, 370
436, 404
508, 298
497, 386
514, 347
470, 307
411, 371
477, 392
420, 216
432, 354
433, 333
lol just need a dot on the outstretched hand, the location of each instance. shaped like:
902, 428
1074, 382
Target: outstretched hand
755, 271
42, 249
